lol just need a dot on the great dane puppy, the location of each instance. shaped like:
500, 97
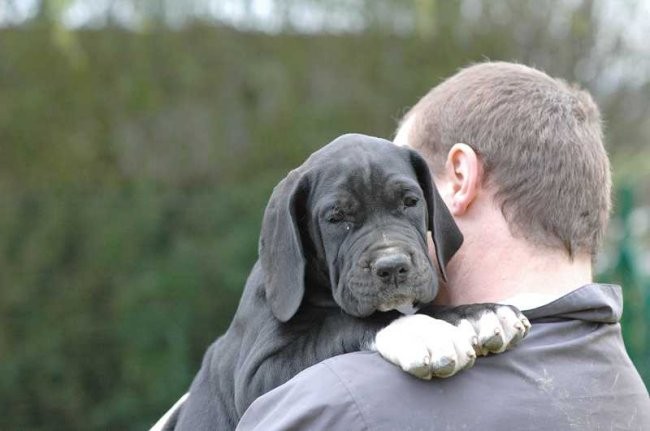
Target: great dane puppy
343, 245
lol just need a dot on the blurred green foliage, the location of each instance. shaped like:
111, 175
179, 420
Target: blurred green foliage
134, 168
626, 269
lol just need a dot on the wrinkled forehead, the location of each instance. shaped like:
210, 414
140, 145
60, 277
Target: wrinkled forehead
363, 177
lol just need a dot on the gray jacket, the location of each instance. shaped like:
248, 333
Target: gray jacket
571, 373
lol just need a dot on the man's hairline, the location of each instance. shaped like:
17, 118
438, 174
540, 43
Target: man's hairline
401, 139
404, 129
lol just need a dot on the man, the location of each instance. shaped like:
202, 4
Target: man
519, 160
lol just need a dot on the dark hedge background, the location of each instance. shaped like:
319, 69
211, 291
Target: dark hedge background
135, 165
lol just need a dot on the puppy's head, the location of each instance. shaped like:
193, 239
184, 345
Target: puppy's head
357, 213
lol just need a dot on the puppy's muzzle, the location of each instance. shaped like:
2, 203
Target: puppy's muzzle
391, 265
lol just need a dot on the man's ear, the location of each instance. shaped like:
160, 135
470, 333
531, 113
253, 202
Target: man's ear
281, 250
463, 170
444, 231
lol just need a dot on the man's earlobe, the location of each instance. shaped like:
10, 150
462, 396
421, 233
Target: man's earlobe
463, 172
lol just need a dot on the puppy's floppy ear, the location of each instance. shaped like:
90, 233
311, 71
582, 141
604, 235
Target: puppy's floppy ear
280, 249
446, 235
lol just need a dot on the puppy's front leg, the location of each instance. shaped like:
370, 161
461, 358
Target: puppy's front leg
426, 347
439, 342
496, 327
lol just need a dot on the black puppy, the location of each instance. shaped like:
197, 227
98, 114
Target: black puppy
343, 244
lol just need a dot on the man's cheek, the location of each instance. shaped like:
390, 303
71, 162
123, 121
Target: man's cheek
442, 298
431, 248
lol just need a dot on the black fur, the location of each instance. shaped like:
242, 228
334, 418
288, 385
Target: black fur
343, 236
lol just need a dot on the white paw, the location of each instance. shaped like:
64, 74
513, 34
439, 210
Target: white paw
426, 347
496, 330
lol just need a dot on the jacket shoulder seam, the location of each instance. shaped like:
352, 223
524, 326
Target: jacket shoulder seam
350, 394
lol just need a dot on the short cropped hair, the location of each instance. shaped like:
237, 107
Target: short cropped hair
540, 143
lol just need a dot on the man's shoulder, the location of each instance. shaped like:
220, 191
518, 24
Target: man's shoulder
545, 380
340, 393
362, 391
360, 367
315, 399
571, 372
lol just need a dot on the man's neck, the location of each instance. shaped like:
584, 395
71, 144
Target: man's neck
512, 271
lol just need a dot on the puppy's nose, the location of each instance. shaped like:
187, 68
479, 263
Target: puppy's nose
394, 266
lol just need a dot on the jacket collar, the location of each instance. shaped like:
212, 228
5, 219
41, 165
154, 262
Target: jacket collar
593, 302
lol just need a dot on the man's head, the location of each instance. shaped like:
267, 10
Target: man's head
537, 142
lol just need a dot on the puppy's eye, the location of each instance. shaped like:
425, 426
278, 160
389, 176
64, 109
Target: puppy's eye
336, 216
410, 201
